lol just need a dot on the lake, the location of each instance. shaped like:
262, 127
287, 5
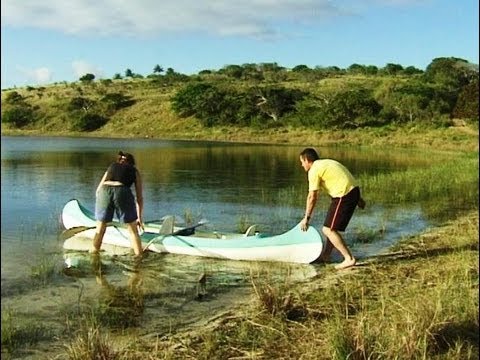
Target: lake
230, 185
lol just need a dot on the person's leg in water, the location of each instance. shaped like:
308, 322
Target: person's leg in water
98, 238
135, 238
104, 214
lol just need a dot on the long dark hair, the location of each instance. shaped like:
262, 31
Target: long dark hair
125, 158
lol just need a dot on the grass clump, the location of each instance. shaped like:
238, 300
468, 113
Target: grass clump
90, 343
43, 271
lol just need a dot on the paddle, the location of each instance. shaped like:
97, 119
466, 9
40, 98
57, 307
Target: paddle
68, 233
181, 232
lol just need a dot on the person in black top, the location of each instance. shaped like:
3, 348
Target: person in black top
114, 195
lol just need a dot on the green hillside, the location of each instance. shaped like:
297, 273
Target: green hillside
261, 103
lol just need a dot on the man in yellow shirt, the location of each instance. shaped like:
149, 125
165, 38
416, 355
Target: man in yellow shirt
337, 181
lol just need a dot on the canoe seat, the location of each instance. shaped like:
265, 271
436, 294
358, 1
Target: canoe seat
251, 230
167, 225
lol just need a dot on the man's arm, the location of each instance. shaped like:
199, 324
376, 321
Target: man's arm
101, 182
139, 198
311, 202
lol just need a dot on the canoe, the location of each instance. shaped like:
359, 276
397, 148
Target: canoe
294, 246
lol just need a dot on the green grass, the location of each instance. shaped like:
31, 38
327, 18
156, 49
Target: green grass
43, 270
152, 117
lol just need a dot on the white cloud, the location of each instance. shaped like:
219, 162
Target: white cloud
150, 17
81, 68
37, 76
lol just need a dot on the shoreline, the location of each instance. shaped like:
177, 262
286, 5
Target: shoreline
453, 138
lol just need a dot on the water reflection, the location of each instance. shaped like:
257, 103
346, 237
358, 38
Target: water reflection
165, 291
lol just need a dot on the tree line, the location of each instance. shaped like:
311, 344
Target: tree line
447, 89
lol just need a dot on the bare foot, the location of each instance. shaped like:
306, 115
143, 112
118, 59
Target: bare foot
361, 203
345, 264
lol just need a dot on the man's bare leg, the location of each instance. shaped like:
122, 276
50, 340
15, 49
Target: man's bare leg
337, 241
327, 251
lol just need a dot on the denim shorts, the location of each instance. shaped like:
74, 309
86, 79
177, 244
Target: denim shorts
115, 200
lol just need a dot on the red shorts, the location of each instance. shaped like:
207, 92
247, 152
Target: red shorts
341, 210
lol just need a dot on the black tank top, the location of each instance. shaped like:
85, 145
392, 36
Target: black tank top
125, 173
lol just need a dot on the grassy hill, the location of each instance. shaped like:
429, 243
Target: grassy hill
149, 114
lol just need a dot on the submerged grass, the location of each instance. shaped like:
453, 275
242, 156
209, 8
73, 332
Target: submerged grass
19, 331
453, 181
43, 270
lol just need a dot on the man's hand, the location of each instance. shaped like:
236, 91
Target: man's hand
140, 226
304, 224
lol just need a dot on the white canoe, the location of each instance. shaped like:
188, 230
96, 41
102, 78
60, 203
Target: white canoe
294, 246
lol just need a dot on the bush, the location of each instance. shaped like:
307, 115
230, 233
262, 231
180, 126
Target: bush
80, 103
116, 101
14, 98
89, 122
467, 103
87, 78
19, 116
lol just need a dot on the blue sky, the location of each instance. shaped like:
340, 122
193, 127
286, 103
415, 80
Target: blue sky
46, 41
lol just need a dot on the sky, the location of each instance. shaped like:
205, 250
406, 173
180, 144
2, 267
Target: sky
48, 41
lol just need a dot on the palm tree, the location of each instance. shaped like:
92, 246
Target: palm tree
157, 69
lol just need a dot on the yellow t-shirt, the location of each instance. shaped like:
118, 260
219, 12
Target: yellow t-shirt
331, 176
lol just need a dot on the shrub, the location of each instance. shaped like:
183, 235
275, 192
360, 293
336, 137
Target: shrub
467, 103
14, 98
19, 116
116, 101
89, 122
80, 103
